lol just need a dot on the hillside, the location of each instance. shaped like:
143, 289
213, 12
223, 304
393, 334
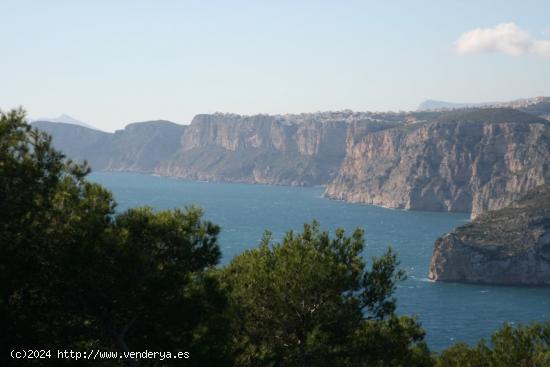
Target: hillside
140, 147
539, 106
65, 119
258, 149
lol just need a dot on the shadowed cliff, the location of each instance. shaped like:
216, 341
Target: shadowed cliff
506, 246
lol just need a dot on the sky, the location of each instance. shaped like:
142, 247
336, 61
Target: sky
110, 63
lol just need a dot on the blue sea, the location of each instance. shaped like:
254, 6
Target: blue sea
448, 312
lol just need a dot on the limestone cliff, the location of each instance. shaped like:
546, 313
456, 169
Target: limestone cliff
462, 161
258, 149
507, 246
305, 149
465, 160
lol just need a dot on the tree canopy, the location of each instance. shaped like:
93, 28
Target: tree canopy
520, 346
76, 275
311, 301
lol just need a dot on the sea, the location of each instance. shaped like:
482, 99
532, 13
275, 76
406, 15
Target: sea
448, 312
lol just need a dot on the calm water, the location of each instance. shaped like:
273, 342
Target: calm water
448, 312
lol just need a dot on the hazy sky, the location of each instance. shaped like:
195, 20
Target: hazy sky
113, 62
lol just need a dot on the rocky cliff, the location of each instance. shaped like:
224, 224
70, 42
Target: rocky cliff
462, 161
258, 149
305, 149
507, 246
78, 142
143, 146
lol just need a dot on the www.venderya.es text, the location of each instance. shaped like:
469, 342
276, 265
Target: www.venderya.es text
94, 354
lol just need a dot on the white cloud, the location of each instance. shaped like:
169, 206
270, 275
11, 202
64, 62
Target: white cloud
506, 38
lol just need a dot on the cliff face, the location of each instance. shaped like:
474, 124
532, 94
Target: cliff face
507, 246
142, 146
287, 150
466, 161
78, 143
258, 149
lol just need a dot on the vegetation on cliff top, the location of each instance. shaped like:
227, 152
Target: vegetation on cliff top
521, 346
509, 231
475, 116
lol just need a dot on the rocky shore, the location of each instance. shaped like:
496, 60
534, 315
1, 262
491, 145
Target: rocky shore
510, 246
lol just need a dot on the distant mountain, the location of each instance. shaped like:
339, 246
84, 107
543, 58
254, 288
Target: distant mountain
139, 147
434, 105
539, 106
65, 119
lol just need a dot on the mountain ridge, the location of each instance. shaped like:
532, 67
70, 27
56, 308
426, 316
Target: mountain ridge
66, 119
523, 104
